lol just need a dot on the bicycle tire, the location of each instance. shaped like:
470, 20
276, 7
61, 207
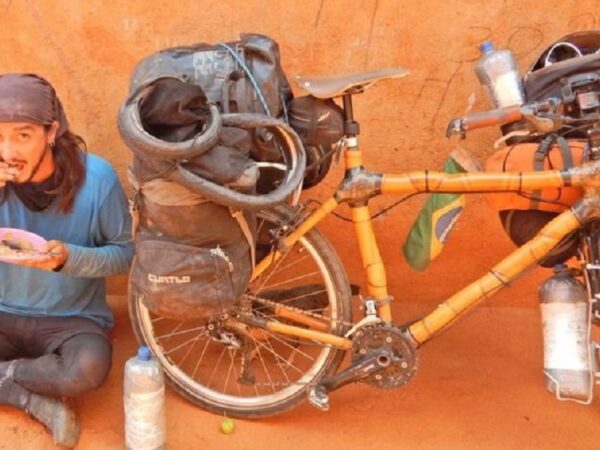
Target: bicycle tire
238, 403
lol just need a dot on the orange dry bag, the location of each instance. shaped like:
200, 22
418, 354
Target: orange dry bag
552, 153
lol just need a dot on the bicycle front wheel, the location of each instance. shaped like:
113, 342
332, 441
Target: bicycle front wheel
250, 372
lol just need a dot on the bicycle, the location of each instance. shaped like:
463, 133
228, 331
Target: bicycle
286, 338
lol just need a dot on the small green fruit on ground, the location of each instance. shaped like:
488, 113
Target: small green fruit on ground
227, 426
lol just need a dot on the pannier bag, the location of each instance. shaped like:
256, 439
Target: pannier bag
181, 281
194, 171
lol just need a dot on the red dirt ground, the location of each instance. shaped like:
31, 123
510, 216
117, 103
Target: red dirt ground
479, 385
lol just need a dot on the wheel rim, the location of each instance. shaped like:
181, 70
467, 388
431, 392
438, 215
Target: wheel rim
282, 368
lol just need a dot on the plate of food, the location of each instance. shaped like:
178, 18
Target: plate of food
17, 245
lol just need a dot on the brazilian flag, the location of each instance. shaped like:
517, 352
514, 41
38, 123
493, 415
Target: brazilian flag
430, 231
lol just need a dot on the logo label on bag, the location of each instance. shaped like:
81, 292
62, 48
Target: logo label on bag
173, 279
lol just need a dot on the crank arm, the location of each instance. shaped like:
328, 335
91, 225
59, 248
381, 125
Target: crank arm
361, 368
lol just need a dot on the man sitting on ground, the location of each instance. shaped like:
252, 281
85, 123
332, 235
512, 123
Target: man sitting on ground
53, 312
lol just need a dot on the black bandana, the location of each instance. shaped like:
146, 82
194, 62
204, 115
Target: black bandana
27, 97
36, 196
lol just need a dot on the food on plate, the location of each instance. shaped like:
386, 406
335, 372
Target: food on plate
11, 246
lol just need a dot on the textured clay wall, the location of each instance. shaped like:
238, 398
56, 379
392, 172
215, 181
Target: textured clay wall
88, 49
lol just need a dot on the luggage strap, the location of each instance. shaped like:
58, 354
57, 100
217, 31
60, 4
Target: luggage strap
238, 215
541, 154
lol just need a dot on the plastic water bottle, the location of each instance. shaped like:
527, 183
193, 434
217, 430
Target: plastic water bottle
565, 319
498, 72
144, 401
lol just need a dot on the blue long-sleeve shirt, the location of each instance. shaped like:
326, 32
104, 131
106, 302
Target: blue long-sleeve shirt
98, 235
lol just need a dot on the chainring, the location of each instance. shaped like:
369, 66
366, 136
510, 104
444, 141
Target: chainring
403, 358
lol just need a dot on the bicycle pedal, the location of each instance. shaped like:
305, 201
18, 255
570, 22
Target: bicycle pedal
318, 397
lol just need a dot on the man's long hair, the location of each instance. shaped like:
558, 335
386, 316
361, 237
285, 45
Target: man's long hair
69, 154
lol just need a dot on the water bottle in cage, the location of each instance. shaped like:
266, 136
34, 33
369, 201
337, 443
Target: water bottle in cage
567, 347
498, 72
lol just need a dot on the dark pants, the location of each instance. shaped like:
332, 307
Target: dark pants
56, 356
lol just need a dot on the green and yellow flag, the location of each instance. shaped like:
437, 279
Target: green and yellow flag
432, 227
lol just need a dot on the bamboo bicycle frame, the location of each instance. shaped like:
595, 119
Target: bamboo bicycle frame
359, 185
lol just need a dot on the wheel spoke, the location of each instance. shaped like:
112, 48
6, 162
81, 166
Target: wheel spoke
179, 333
294, 349
289, 300
231, 352
216, 365
281, 368
291, 280
297, 297
192, 340
275, 354
235, 373
157, 319
201, 357
274, 270
188, 352
260, 357
292, 264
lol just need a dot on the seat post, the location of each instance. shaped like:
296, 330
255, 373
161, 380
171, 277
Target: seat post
351, 126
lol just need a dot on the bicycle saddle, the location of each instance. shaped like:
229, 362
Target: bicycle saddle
334, 86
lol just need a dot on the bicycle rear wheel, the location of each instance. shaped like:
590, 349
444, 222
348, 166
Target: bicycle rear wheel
248, 372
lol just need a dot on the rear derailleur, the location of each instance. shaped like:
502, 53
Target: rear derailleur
234, 335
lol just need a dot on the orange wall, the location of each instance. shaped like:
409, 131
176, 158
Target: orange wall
88, 49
